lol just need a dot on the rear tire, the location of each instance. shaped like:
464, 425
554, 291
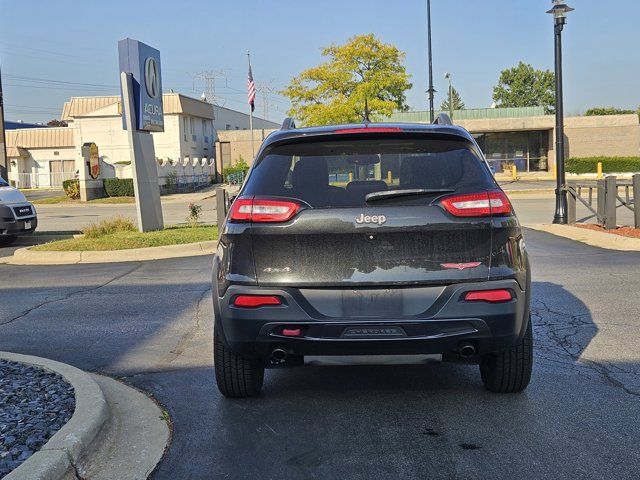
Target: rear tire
6, 240
236, 376
509, 371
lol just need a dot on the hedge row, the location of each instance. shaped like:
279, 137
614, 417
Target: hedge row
239, 168
118, 187
609, 164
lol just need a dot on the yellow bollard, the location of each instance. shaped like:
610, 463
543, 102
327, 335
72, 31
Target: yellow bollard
350, 177
599, 170
514, 172
389, 179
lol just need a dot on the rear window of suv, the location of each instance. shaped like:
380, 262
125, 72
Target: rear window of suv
342, 173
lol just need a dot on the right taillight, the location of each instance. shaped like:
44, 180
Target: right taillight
263, 210
491, 296
477, 204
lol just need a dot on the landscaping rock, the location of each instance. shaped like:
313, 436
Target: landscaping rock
35, 404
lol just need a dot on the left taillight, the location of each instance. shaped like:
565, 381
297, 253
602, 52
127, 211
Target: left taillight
263, 210
477, 204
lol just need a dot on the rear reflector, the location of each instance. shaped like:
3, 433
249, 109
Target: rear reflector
369, 130
478, 204
254, 301
492, 296
262, 210
291, 332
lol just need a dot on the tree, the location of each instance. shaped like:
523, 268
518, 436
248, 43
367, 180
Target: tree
456, 101
594, 111
57, 123
360, 79
524, 86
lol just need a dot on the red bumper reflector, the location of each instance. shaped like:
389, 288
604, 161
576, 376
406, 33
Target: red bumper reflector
254, 301
291, 332
493, 296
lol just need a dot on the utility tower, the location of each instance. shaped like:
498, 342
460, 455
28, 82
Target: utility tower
208, 79
265, 89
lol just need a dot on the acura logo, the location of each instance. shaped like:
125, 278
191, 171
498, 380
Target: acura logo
151, 77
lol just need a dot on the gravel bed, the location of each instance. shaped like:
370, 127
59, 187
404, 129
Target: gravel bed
34, 405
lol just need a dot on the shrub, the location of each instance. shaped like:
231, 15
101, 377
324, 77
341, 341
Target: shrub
72, 188
109, 226
195, 211
609, 164
240, 169
118, 187
171, 181
607, 111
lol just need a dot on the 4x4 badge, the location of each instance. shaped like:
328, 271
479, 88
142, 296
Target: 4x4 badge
377, 219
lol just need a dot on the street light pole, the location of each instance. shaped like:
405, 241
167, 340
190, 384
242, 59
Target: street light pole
431, 90
559, 12
4, 166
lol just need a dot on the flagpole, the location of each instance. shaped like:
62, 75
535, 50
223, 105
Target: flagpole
253, 153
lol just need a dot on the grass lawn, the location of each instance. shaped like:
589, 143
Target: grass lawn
125, 240
65, 199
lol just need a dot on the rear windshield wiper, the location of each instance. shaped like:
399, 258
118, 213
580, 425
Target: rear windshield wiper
410, 192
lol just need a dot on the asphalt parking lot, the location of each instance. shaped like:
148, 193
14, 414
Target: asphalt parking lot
150, 324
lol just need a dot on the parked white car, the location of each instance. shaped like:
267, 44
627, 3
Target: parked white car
17, 215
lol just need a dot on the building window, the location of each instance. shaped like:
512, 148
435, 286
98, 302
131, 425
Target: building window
228, 127
527, 150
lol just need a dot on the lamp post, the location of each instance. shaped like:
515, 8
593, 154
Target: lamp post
448, 77
559, 12
431, 90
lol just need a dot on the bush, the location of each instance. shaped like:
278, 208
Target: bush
118, 187
240, 169
607, 111
609, 164
109, 226
72, 188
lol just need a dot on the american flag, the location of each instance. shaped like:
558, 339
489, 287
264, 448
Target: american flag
251, 90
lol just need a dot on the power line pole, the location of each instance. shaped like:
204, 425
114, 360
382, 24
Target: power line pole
4, 168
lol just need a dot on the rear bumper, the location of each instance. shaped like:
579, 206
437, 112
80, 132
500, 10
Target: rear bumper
447, 324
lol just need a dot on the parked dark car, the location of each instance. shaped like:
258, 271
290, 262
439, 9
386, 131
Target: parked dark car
376, 239
17, 215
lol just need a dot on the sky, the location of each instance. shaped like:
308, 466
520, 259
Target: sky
52, 50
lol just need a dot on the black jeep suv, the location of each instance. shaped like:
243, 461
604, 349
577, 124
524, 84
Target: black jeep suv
372, 239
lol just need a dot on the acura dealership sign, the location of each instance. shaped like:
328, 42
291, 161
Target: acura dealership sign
143, 63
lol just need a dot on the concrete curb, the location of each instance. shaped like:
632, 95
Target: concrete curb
59, 456
26, 256
609, 241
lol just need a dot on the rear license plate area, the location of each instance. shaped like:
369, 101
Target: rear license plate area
372, 302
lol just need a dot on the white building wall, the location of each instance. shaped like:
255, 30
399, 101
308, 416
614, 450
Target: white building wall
227, 119
35, 171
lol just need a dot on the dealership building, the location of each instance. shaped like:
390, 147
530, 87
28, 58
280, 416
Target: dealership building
45, 157
524, 137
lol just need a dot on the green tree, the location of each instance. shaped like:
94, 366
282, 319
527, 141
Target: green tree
524, 86
360, 79
456, 101
594, 111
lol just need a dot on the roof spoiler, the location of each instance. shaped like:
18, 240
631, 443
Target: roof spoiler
441, 119
288, 124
